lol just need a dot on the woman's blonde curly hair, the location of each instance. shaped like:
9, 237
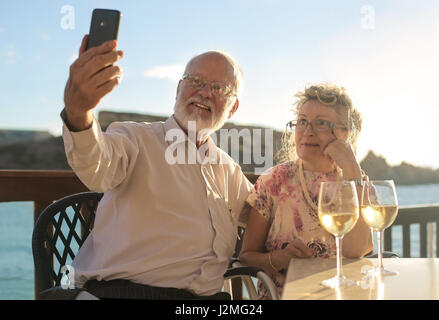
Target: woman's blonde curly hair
329, 95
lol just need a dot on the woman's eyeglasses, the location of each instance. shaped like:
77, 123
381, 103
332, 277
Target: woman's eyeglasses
319, 125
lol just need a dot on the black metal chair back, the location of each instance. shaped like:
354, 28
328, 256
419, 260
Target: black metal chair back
58, 234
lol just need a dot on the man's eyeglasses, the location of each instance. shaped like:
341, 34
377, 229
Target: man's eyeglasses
218, 89
319, 125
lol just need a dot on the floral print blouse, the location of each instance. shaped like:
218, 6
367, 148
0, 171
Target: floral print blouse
278, 197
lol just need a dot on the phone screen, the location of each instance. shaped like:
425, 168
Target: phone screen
104, 27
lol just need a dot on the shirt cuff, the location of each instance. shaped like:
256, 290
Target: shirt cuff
82, 139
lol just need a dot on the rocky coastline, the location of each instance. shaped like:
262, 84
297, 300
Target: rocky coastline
41, 151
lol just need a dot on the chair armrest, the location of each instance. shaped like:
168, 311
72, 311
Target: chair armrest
234, 272
245, 272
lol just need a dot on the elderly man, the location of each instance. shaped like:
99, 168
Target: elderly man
165, 227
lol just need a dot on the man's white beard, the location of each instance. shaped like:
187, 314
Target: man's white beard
208, 126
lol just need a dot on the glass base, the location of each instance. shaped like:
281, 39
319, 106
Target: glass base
380, 272
337, 282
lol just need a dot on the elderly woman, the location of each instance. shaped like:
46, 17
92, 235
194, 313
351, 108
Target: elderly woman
283, 221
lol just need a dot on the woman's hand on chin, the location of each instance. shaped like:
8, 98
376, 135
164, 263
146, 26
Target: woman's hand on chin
342, 153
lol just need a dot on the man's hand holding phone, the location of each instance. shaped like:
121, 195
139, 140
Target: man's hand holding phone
92, 76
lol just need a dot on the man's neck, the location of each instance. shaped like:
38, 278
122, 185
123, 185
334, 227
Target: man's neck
200, 139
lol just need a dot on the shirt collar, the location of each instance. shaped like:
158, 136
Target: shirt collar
171, 124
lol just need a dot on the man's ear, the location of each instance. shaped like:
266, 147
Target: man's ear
233, 109
178, 89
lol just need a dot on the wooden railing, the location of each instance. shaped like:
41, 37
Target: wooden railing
427, 216
40, 186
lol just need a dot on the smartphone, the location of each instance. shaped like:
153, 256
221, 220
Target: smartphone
104, 27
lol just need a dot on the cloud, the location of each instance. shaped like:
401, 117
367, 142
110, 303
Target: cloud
171, 72
2, 30
44, 99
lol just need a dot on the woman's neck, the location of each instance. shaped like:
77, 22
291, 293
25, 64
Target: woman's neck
323, 166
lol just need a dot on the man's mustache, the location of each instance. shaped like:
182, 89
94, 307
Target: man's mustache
206, 103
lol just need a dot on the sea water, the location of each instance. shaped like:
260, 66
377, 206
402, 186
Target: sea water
16, 225
16, 261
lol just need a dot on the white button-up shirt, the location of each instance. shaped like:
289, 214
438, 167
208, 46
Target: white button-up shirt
162, 224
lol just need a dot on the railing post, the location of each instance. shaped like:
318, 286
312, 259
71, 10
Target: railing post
406, 240
430, 236
39, 206
423, 239
437, 239
388, 239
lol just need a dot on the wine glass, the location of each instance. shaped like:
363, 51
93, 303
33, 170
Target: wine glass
338, 213
379, 208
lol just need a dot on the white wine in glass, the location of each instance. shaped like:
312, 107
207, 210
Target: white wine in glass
338, 213
379, 218
379, 208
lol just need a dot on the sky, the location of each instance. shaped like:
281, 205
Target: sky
385, 53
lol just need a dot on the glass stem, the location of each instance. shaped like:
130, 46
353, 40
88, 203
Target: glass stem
380, 250
339, 269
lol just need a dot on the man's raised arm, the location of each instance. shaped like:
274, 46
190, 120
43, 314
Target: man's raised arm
101, 161
92, 76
